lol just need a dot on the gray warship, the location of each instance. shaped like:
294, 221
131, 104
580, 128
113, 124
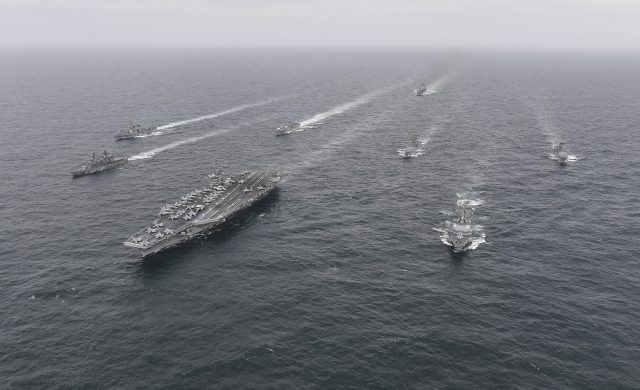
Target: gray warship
204, 209
99, 163
560, 153
286, 128
134, 131
460, 231
412, 149
422, 89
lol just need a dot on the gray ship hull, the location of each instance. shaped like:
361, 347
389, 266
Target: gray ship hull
460, 230
459, 236
409, 152
287, 128
134, 131
94, 169
232, 201
133, 135
562, 157
560, 153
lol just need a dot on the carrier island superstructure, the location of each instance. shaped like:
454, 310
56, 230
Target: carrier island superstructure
203, 209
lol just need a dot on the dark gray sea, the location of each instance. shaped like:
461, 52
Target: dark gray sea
340, 279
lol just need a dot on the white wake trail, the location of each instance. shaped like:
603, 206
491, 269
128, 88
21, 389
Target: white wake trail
153, 152
433, 87
335, 111
548, 129
546, 123
347, 106
425, 140
217, 114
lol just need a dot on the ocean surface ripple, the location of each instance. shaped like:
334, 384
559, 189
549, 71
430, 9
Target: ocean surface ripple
337, 280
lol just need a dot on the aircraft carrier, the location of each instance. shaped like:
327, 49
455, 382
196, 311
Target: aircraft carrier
97, 164
202, 210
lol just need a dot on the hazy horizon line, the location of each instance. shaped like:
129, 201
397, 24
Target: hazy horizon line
319, 48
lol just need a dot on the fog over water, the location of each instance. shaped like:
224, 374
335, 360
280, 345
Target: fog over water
512, 24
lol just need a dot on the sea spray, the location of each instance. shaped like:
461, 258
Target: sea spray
314, 120
218, 114
151, 153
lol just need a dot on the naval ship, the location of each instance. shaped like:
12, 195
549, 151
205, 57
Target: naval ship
201, 210
99, 163
286, 128
460, 231
412, 149
560, 153
422, 89
134, 131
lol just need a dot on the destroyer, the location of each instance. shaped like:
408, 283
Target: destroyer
560, 153
99, 163
287, 127
411, 150
422, 89
134, 131
202, 210
460, 231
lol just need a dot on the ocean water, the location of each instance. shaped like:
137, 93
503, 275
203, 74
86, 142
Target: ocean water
340, 278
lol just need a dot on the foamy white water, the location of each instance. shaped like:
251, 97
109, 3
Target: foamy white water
336, 110
477, 235
469, 199
417, 153
425, 140
570, 158
546, 124
217, 114
153, 152
347, 106
444, 236
433, 87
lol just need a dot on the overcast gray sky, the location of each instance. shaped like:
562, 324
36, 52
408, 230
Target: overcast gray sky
550, 24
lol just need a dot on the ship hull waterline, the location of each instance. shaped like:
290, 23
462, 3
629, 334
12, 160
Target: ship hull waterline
459, 236
232, 203
118, 137
78, 173
196, 231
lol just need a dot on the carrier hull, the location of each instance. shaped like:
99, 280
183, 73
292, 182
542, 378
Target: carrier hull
459, 236
209, 209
